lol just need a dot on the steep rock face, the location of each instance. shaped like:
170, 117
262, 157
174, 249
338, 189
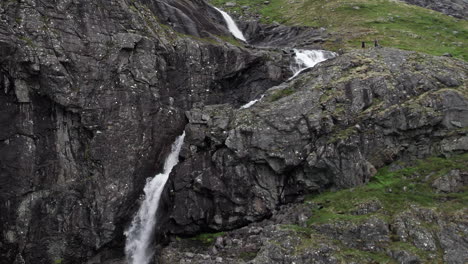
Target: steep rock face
92, 95
329, 128
276, 35
455, 8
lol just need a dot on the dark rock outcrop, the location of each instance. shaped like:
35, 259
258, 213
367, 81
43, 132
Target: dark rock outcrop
453, 181
92, 95
455, 8
417, 235
276, 35
330, 128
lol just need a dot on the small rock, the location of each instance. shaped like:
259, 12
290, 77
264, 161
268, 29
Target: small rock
214, 251
404, 257
228, 242
456, 123
356, 7
205, 117
450, 182
368, 207
447, 55
219, 242
230, 4
266, 2
189, 255
219, 260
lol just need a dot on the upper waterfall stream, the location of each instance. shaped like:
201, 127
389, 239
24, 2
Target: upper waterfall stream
305, 59
139, 235
235, 31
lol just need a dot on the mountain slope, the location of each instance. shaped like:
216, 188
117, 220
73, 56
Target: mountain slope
93, 93
392, 23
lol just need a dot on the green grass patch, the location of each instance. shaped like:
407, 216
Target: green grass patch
342, 134
280, 94
395, 190
207, 238
393, 23
231, 40
350, 254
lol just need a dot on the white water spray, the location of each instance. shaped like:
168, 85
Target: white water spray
142, 228
235, 31
249, 104
305, 59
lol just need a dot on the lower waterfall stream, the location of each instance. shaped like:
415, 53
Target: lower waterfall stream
140, 233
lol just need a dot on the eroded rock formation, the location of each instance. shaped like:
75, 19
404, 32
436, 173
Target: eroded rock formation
330, 128
92, 94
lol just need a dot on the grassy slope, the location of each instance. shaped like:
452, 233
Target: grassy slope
411, 185
397, 191
393, 23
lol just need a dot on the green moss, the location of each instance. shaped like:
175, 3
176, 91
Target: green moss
28, 41
281, 93
304, 231
231, 40
207, 238
341, 134
350, 254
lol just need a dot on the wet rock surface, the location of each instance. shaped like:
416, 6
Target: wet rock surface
92, 94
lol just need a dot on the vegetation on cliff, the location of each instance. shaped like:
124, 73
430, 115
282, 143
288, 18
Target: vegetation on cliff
392, 23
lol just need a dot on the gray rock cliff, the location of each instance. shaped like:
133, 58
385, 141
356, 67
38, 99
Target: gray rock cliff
92, 94
330, 128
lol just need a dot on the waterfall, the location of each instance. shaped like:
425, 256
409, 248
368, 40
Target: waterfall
249, 104
235, 31
137, 246
305, 59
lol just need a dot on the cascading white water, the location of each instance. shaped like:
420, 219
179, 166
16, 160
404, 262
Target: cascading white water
235, 31
142, 228
249, 104
305, 59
